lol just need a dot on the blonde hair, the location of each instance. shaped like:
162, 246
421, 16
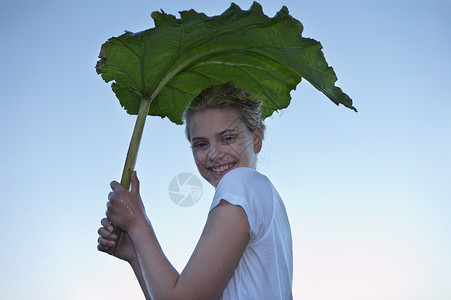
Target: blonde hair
226, 96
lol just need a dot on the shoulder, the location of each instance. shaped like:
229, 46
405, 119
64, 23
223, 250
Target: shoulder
244, 182
245, 187
244, 176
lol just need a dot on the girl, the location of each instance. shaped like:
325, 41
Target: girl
245, 250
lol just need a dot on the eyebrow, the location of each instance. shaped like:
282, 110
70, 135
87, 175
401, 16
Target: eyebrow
228, 130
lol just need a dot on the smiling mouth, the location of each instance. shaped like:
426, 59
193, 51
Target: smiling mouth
222, 168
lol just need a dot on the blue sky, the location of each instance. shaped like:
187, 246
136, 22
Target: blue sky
368, 193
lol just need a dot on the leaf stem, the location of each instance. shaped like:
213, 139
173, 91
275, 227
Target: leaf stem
132, 153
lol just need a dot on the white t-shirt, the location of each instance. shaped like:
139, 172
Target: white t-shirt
265, 270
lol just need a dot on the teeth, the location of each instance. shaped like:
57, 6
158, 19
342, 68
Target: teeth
222, 168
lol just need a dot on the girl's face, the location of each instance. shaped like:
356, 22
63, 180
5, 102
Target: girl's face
221, 142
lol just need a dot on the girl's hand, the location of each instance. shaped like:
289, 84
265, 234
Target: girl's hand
125, 209
107, 240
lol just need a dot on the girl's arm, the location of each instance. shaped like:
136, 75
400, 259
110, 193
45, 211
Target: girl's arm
212, 263
139, 275
124, 250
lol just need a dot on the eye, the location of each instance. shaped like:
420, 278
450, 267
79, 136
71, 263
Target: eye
228, 139
199, 145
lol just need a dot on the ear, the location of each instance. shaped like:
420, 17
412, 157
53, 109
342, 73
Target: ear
258, 139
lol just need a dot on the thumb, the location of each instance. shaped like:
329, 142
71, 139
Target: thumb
135, 183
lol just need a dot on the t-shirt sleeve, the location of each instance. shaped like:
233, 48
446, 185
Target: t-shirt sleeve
243, 187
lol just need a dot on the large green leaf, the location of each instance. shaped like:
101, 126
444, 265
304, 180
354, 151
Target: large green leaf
171, 63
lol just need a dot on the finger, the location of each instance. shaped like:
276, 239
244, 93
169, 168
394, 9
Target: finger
110, 195
107, 224
106, 234
135, 183
109, 205
103, 248
105, 242
116, 186
103, 232
111, 214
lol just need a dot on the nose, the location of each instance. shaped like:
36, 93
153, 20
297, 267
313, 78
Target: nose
214, 152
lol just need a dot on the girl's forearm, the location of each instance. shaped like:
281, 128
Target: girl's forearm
138, 273
156, 275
